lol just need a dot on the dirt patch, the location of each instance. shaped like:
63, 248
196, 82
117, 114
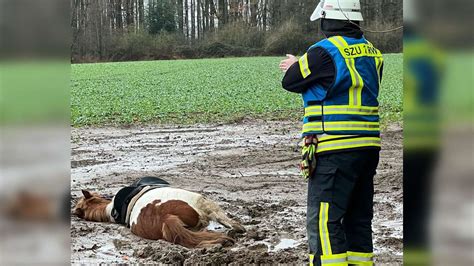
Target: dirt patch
250, 168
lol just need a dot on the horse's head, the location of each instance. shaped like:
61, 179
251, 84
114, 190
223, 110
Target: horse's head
92, 207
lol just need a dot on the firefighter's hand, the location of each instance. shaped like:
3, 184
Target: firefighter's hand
288, 62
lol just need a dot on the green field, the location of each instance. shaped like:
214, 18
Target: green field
199, 91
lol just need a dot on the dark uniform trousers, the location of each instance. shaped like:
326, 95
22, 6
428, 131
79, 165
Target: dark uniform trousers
340, 208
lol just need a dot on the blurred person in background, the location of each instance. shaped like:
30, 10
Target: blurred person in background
438, 139
339, 79
422, 75
34, 132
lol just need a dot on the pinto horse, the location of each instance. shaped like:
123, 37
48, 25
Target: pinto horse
172, 214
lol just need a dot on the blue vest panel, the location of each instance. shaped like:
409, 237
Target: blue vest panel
350, 105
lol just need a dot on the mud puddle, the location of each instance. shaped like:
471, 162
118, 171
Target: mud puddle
249, 168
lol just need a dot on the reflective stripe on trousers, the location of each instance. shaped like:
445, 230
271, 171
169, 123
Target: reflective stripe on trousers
330, 260
334, 260
357, 258
360, 258
323, 228
334, 234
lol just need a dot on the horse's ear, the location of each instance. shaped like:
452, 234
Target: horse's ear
86, 194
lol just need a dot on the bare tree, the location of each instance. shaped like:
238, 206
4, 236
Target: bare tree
98, 24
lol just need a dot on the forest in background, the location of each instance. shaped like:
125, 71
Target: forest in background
125, 30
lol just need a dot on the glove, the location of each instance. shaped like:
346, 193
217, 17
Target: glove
308, 162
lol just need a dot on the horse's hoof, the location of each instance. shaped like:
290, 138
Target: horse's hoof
228, 243
236, 232
239, 228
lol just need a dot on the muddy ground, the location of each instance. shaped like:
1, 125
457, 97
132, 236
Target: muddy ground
249, 168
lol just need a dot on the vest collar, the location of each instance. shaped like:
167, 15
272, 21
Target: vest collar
331, 27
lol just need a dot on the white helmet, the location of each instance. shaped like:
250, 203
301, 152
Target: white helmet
338, 9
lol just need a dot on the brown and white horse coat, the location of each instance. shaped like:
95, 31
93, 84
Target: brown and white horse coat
167, 213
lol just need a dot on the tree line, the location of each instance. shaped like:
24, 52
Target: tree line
119, 30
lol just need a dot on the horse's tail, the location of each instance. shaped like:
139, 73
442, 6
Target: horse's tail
174, 231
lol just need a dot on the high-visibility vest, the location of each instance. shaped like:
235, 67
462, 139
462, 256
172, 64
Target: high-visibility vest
345, 115
423, 64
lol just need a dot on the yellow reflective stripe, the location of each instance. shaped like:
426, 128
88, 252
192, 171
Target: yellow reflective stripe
349, 113
312, 126
332, 145
358, 123
332, 107
375, 140
377, 62
378, 65
329, 110
323, 228
339, 42
313, 114
336, 43
352, 128
334, 256
326, 137
355, 50
355, 91
304, 67
311, 258
334, 260
360, 254
313, 110
336, 148
349, 109
341, 109
360, 50
363, 263
342, 126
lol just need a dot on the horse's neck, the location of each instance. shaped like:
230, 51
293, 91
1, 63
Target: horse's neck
101, 213
108, 211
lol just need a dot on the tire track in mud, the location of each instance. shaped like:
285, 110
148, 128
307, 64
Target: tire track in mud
249, 168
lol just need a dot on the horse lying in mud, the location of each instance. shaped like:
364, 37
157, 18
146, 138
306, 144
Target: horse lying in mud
154, 210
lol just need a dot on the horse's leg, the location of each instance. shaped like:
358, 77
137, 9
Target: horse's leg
215, 213
204, 220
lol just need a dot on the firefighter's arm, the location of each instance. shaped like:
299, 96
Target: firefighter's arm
306, 71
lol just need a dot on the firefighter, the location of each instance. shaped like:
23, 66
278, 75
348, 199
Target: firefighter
424, 67
339, 79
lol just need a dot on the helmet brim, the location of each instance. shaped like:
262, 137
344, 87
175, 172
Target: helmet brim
317, 13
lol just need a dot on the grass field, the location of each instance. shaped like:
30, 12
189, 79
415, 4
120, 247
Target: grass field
202, 91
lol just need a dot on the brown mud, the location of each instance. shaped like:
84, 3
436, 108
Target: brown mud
249, 168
